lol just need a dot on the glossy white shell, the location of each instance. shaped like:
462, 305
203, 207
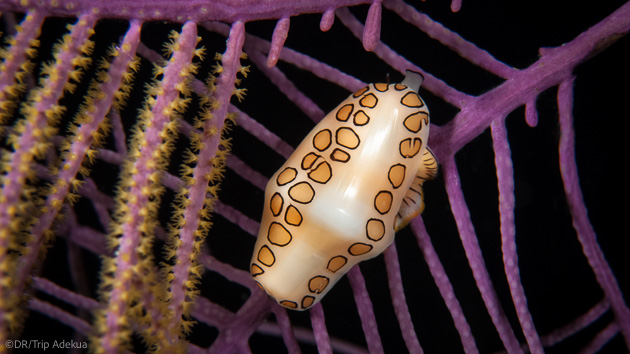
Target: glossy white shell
335, 201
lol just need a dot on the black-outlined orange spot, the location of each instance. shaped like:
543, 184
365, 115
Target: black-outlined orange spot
358, 249
413, 122
361, 91
375, 229
322, 173
289, 304
293, 216
260, 286
344, 112
381, 87
360, 118
346, 137
307, 301
396, 175
383, 202
339, 155
265, 256
336, 263
286, 176
256, 270
317, 284
410, 148
302, 192
400, 87
411, 99
276, 203
368, 100
278, 235
308, 160
322, 140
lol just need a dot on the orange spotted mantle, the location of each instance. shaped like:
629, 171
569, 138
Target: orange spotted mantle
349, 186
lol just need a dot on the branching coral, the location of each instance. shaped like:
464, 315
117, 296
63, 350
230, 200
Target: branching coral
115, 152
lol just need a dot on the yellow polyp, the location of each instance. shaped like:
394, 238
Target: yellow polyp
83, 171
56, 204
76, 184
240, 94
173, 35
217, 69
72, 198
76, 75
200, 52
69, 87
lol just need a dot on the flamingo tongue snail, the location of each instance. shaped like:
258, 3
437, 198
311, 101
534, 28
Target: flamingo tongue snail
352, 183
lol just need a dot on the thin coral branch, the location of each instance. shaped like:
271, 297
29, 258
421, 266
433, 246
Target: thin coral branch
288, 88
450, 39
305, 335
36, 130
505, 177
576, 325
89, 122
366, 310
475, 258
554, 66
284, 323
319, 329
179, 10
280, 34
247, 319
444, 286
17, 64
66, 295
60, 315
583, 228
601, 339
431, 83
140, 191
264, 135
399, 301
237, 218
298, 59
372, 30
207, 169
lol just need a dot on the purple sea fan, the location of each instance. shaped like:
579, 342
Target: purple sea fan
127, 214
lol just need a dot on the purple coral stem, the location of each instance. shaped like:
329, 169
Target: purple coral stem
290, 342
372, 31
450, 39
319, 329
278, 38
34, 132
183, 10
444, 285
505, 177
431, 83
475, 258
203, 168
79, 147
17, 53
60, 315
288, 88
399, 301
554, 66
583, 228
135, 223
365, 309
